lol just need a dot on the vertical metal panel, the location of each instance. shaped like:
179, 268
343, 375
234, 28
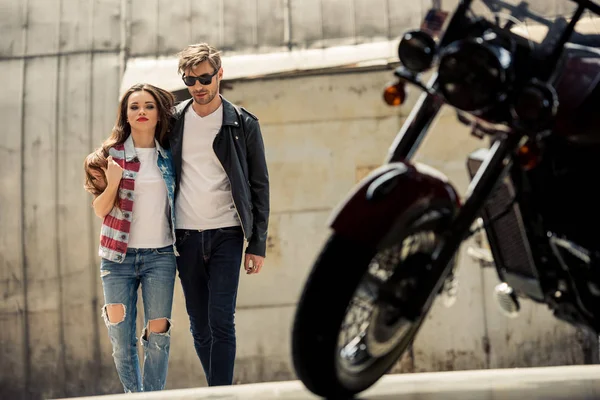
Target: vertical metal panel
338, 21
13, 339
207, 22
41, 268
271, 24
307, 22
143, 15
174, 25
12, 20
14, 350
74, 223
106, 23
240, 25
103, 81
75, 19
371, 20
43, 27
104, 94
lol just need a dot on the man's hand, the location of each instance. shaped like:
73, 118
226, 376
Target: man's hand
253, 263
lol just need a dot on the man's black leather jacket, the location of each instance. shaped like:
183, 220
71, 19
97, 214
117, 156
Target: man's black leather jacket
240, 148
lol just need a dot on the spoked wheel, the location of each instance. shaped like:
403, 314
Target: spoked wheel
345, 337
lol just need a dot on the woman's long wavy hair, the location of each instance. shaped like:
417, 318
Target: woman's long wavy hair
164, 102
95, 161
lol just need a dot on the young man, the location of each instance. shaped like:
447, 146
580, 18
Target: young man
222, 197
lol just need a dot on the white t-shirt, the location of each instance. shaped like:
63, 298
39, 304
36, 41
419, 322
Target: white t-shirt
204, 200
150, 221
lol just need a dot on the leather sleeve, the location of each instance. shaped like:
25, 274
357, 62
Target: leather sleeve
259, 187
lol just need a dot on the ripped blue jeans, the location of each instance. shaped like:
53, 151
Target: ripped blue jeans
154, 270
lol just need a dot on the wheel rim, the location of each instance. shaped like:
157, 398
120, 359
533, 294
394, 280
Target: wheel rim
368, 332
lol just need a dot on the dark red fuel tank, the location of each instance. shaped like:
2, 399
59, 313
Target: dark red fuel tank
578, 89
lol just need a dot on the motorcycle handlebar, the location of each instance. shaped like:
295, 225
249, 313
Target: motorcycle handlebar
522, 11
589, 4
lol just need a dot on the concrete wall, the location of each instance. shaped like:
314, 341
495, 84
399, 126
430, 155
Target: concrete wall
61, 63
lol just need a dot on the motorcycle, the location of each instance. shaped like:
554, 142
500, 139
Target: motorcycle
395, 238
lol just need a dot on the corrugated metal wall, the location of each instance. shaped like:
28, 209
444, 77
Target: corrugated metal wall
60, 75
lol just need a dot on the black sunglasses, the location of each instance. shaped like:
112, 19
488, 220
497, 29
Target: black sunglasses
204, 79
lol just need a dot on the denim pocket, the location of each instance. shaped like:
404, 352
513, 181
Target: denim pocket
181, 237
164, 251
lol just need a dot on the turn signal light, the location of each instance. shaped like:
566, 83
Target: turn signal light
528, 156
395, 93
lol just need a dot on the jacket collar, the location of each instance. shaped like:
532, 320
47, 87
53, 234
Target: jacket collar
161, 150
230, 114
131, 155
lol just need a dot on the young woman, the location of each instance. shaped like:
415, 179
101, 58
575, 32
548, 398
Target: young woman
131, 177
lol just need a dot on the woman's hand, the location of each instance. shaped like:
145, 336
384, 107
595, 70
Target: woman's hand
104, 203
113, 172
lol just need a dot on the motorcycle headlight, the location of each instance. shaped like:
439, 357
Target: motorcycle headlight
416, 51
473, 75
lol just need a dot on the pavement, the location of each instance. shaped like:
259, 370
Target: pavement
547, 383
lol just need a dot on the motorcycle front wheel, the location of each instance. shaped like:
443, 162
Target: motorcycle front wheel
343, 338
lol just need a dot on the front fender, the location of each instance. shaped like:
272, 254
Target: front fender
374, 207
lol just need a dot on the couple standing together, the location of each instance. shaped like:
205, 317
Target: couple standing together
179, 189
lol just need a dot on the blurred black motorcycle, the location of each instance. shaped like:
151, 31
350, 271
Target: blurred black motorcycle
396, 236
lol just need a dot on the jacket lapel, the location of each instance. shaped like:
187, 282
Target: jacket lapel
176, 138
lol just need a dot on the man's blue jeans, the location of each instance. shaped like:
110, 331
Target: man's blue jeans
154, 270
209, 270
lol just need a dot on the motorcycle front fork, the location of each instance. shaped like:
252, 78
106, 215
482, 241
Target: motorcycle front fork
416, 126
489, 173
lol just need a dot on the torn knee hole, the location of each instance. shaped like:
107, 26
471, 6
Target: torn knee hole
159, 325
114, 313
